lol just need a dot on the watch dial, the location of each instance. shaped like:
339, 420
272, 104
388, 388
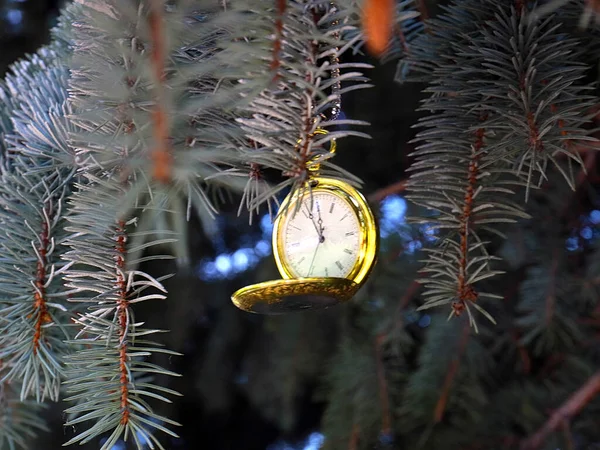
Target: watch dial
322, 241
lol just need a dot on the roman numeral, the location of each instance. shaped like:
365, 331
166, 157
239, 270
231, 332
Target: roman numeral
350, 233
347, 250
339, 264
295, 244
331, 208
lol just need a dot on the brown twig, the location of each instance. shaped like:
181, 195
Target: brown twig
422, 7
353, 444
161, 156
386, 417
278, 41
570, 408
40, 307
410, 293
465, 291
122, 315
392, 189
440, 406
378, 18
551, 296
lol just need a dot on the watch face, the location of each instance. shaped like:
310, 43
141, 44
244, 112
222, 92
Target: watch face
322, 238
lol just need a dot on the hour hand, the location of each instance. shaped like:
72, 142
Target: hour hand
321, 228
312, 219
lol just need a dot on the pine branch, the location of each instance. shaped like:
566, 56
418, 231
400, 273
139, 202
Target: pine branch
536, 92
108, 376
440, 406
378, 18
33, 321
20, 421
386, 417
570, 408
458, 177
157, 61
392, 189
288, 80
457, 26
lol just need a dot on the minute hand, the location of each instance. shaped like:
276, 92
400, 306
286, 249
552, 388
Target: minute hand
312, 219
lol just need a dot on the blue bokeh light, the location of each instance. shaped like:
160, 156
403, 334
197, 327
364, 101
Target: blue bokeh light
14, 16
572, 243
241, 260
223, 264
425, 320
314, 441
393, 210
266, 226
586, 233
263, 248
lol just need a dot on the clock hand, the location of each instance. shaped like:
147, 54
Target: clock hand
321, 228
312, 219
313, 259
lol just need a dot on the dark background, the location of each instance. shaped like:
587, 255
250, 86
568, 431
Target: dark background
216, 410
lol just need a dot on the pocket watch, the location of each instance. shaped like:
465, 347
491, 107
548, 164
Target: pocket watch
325, 243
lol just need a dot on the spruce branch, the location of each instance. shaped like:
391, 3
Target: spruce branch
108, 376
145, 105
457, 176
533, 81
378, 18
20, 421
436, 41
570, 408
288, 80
547, 317
440, 406
34, 322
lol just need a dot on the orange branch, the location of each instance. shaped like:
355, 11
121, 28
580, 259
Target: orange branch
423, 10
161, 156
392, 189
466, 292
440, 407
353, 445
122, 307
378, 18
566, 412
386, 417
551, 297
277, 43
410, 293
40, 308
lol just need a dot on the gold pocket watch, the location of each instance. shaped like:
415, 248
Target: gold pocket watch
325, 244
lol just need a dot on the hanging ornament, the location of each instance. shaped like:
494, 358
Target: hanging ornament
325, 242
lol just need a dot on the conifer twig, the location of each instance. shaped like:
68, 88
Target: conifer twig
440, 406
161, 155
570, 408
386, 417
392, 189
354, 437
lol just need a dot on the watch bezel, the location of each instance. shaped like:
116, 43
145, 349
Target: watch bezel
368, 242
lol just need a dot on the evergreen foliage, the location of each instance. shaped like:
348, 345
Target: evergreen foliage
142, 113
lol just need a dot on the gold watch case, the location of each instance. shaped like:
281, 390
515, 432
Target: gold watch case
294, 293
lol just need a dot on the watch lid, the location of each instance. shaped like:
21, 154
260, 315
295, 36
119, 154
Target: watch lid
298, 294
